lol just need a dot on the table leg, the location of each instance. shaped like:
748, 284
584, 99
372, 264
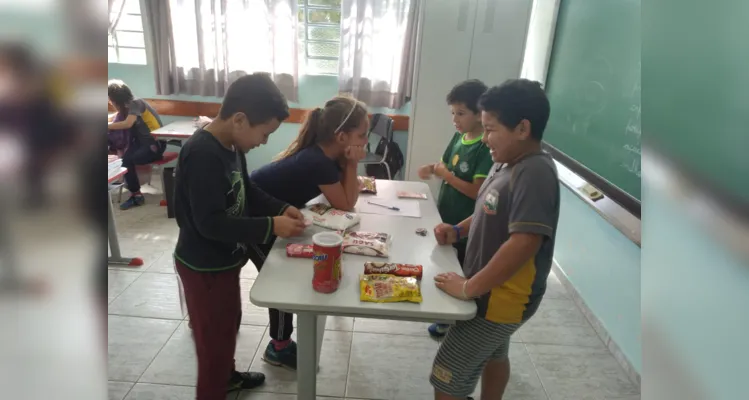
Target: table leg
307, 339
114, 241
321, 320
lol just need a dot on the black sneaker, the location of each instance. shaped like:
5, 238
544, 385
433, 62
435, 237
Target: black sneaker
245, 380
285, 357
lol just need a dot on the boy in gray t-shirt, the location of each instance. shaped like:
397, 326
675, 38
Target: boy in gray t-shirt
510, 244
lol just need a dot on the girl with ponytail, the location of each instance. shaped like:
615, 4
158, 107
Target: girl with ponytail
322, 159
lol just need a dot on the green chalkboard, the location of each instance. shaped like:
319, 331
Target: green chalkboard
593, 86
697, 91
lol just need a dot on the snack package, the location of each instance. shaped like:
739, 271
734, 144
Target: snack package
411, 195
328, 217
299, 250
388, 288
367, 184
404, 270
367, 244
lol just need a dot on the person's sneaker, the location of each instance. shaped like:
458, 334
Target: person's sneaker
285, 357
245, 380
134, 201
438, 331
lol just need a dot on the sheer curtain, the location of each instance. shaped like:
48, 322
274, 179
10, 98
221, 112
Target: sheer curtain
378, 50
201, 46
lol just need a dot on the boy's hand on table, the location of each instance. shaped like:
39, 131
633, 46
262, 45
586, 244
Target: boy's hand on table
441, 171
445, 234
285, 227
452, 284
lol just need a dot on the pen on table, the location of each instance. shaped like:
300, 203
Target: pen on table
382, 205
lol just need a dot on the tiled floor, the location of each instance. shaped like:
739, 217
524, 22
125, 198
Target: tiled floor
557, 355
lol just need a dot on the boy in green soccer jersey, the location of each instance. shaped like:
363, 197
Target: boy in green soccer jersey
463, 167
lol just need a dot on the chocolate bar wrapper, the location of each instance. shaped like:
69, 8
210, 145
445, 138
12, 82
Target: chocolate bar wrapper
404, 270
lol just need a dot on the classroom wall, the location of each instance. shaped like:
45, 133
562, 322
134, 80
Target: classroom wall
604, 266
314, 91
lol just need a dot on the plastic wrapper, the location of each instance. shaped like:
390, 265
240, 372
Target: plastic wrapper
328, 217
298, 250
411, 195
389, 288
374, 244
367, 184
404, 270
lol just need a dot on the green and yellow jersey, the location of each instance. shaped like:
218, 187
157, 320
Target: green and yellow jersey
467, 160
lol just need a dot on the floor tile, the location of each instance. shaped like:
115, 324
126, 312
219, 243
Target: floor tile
118, 390
555, 289
151, 295
133, 344
524, 382
251, 314
118, 281
345, 324
393, 327
248, 395
559, 322
331, 379
164, 264
390, 367
148, 391
582, 373
248, 271
176, 364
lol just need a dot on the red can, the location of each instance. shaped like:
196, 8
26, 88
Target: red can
327, 261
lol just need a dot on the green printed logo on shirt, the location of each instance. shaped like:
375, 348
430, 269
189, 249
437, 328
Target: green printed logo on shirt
237, 189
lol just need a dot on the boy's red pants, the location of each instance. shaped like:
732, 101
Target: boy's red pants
214, 304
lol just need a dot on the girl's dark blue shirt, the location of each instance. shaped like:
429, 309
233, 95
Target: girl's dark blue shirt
296, 179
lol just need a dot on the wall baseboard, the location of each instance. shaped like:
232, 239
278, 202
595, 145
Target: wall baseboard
184, 108
613, 347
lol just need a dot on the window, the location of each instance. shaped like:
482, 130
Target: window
127, 45
319, 36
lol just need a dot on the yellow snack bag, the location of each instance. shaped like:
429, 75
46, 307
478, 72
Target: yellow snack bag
381, 288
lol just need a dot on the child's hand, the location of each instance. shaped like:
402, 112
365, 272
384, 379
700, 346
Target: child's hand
285, 227
441, 171
426, 171
293, 213
354, 154
452, 284
445, 234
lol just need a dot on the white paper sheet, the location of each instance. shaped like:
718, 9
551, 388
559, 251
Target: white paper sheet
408, 208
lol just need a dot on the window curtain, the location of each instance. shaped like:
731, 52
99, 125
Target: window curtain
201, 46
378, 50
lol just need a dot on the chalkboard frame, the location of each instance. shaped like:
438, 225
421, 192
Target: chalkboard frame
619, 196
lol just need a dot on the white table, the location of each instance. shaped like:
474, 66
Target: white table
286, 283
178, 130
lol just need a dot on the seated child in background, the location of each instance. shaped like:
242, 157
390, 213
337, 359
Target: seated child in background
220, 214
322, 159
139, 118
510, 244
464, 166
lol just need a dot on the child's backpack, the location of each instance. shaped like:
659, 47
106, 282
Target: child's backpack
393, 159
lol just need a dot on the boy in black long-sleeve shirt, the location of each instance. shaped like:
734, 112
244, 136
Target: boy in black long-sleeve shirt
220, 212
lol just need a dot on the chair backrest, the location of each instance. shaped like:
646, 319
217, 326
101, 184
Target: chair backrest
382, 126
